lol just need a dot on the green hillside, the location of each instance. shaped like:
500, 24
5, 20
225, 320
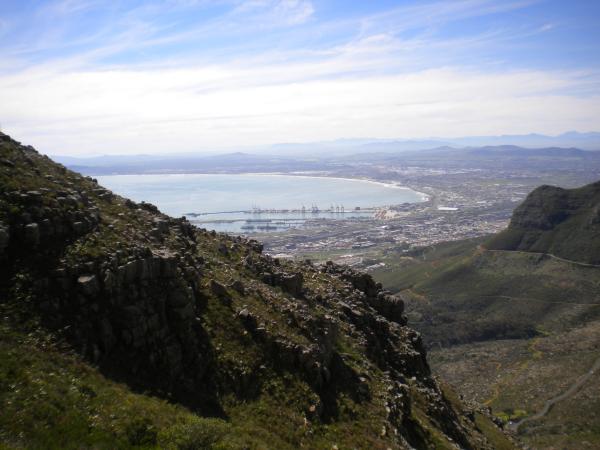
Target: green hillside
562, 222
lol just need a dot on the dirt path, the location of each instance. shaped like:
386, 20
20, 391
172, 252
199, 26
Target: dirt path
550, 255
514, 426
531, 299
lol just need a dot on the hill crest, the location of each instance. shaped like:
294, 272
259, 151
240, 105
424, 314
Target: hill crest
557, 221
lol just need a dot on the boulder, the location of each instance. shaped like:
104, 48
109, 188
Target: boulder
223, 250
178, 299
238, 286
79, 228
32, 234
88, 284
161, 225
292, 283
219, 290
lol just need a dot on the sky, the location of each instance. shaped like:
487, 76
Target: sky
94, 77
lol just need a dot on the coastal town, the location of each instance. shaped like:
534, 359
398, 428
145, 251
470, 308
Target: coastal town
401, 227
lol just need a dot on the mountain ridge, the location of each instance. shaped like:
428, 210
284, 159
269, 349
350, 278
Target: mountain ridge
557, 221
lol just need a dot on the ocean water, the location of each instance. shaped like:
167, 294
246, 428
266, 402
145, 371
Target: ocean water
246, 203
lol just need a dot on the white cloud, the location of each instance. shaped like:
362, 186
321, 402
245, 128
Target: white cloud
371, 82
294, 12
275, 12
204, 108
67, 7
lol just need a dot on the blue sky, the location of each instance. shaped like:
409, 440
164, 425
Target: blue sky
90, 76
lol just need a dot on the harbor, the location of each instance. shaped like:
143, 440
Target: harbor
261, 220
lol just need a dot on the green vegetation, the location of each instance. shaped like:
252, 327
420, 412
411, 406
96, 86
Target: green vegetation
53, 399
514, 320
562, 222
458, 292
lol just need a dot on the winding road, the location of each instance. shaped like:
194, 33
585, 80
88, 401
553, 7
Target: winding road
550, 255
514, 426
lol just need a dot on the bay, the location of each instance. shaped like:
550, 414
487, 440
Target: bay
258, 202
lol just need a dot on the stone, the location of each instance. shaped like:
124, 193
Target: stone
79, 227
161, 225
223, 250
46, 227
128, 272
292, 283
238, 286
178, 299
110, 281
34, 196
32, 234
219, 290
255, 245
88, 284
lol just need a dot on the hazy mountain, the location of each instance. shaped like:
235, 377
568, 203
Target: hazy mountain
238, 162
585, 141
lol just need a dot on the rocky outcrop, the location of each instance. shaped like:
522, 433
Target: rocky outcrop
54, 216
562, 222
386, 304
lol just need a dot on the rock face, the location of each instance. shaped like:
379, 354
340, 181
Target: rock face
562, 222
199, 317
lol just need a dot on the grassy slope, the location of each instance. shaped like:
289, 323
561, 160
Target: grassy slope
515, 378
53, 399
492, 294
563, 222
455, 287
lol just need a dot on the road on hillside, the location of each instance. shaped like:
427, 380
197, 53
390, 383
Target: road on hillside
550, 255
514, 426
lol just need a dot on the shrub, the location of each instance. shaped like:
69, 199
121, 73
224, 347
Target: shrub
194, 434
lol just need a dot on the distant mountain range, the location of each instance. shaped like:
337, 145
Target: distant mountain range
291, 157
584, 141
340, 147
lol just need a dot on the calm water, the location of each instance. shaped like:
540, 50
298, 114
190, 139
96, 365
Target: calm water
229, 202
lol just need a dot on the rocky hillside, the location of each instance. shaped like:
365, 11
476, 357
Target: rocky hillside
110, 308
562, 222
